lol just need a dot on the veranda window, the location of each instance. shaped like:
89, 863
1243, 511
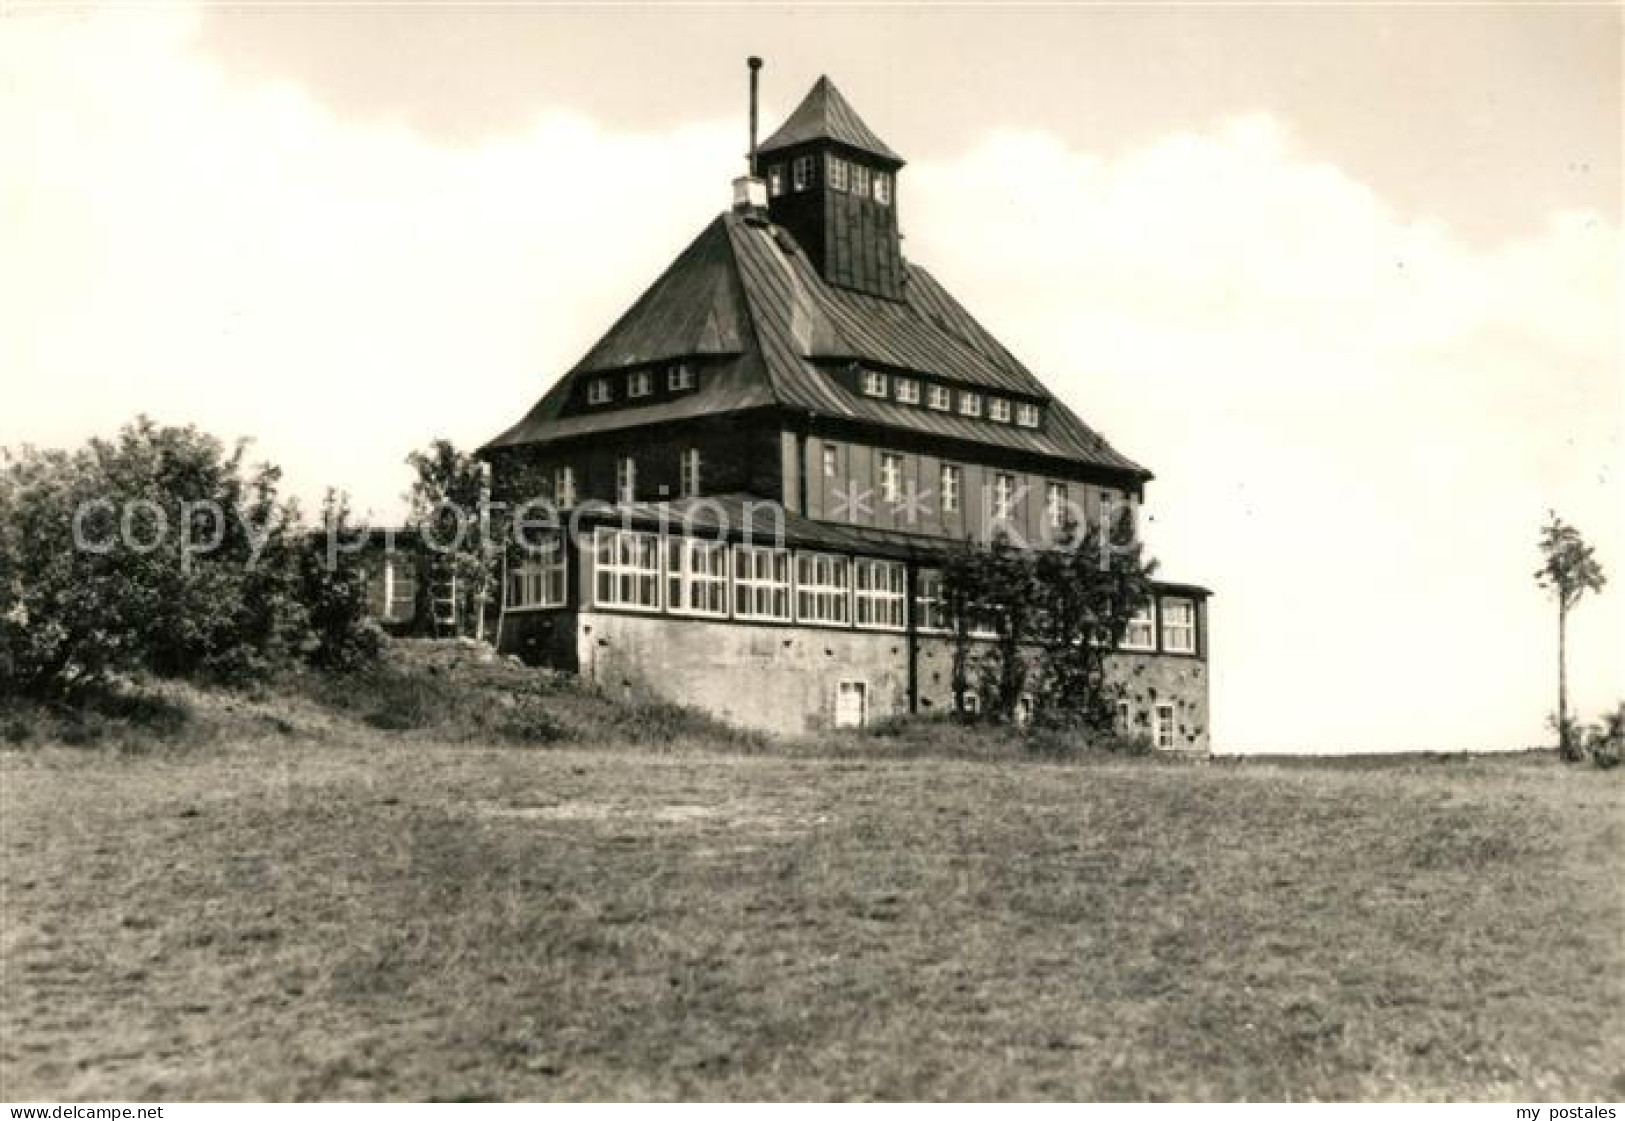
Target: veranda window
627, 569
930, 609
1141, 633
537, 579
696, 576
1179, 626
823, 589
882, 594
761, 583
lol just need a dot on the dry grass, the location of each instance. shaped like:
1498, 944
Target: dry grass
324, 910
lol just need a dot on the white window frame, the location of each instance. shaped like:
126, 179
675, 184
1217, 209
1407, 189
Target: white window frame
880, 594
940, 398
626, 479
874, 383
883, 188
625, 574
836, 173
831, 458
599, 392
859, 688
970, 404
689, 465
1004, 496
823, 589
930, 606
801, 173
697, 577
775, 180
908, 390
680, 376
776, 586
950, 487
1055, 504
1026, 414
1178, 637
1143, 621
891, 477
998, 408
639, 383
860, 180
540, 580
1164, 726
395, 568
564, 486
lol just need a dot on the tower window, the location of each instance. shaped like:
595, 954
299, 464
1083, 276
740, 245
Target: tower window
680, 376
837, 173
775, 180
598, 392
883, 188
874, 383
908, 391
939, 397
860, 180
1027, 415
640, 384
831, 457
801, 173
970, 404
998, 409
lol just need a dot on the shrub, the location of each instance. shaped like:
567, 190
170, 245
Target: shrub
1605, 740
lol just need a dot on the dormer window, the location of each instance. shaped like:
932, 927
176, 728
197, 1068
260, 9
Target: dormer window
801, 172
598, 392
775, 180
883, 188
680, 376
970, 404
641, 383
908, 391
1027, 415
939, 397
998, 409
860, 180
874, 383
837, 173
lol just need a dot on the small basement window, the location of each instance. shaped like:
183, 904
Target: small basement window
1162, 732
851, 704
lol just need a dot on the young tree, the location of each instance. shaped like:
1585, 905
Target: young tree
1568, 570
449, 508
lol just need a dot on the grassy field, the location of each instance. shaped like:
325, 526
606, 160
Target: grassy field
322, 909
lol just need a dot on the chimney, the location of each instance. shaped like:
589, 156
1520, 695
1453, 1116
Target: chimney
750, 192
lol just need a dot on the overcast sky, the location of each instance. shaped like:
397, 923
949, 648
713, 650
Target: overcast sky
1348, 280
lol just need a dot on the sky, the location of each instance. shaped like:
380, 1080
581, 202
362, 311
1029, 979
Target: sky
1347, 279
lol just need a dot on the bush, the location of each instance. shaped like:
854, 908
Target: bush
160, 550
1605, 740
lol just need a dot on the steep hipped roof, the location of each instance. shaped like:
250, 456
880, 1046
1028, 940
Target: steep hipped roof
777, 334
825, 114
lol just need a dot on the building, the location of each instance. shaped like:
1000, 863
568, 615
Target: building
765, 455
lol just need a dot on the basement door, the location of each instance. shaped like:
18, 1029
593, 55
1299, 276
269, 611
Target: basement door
851, 704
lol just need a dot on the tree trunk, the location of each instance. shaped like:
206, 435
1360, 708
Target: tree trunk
1564, 748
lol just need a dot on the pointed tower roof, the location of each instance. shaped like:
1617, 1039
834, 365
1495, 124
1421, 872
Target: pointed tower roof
826, 114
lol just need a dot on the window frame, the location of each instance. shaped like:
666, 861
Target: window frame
680, 377
397, 572
617, 570
801, 174
775, 180
640, 384
835, 173
564, 486
891, 477
544, 566
687, 577
690, 464
1027, 415
906, 390
949, 498
826, 592
970, 403
626, 479
1144, 616
1169, 629
874, 384
939, 397
998, 408
745, 583
1158, 726
930, 605
1055, 504
893, 600
882, 193
830, 460
1004, 496
599, 391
